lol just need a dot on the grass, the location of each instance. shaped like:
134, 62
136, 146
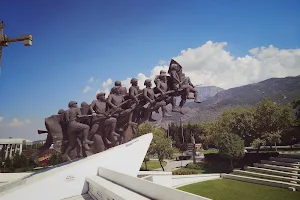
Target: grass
152, 165
225, 189
209, 151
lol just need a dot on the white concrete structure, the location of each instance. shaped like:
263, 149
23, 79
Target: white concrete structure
281, 172
175, 181
111, 174
10, 146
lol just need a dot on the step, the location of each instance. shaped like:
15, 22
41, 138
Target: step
100, 188
289, 160
262, 181
266, 176
289, 155
80, 197
293, 165
271, 171
280, 168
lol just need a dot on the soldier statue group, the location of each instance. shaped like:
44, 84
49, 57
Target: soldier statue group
111, 121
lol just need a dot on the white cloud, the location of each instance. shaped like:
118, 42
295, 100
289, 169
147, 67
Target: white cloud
15, 122
1, 119
107, 83
86, 89
162, 62
91, 79
211, 64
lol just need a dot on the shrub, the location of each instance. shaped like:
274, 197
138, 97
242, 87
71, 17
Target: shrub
214, 157
197, 166
185, 171
216, 161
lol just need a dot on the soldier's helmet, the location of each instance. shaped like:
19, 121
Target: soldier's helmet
71, 103
133, 80
83, 104
100, 94
162, 72
61, 111
147, 81
117, 83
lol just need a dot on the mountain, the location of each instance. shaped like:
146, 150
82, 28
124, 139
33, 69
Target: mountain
280, 90
204, 93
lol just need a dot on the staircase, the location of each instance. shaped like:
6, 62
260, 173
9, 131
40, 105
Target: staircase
282, 171
109, 184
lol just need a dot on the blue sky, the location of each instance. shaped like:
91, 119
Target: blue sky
75, 40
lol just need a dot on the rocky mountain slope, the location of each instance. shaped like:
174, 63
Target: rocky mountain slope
214, 99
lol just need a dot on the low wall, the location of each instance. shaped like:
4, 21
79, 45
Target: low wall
174, 181
146, 188
154, 173
181, 180
6, 177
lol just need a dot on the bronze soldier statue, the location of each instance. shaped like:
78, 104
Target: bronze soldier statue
191, 88
162, 88
118, 84
116, 101
100, 120
110, 122
49, 140
151, 103
136, 104
74, 128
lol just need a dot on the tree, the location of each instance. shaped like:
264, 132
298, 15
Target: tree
146, 159
160, 144
272, 117
273, 137
238, 120
296, 107
257, 143
231, 146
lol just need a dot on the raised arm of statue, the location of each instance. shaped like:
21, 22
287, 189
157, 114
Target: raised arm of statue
175, 77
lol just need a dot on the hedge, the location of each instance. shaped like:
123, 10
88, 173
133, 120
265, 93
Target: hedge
248, 159
185, 171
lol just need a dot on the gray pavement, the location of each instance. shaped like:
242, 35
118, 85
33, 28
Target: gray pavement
174, 164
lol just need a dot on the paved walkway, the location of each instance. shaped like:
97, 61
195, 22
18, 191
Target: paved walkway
174, 164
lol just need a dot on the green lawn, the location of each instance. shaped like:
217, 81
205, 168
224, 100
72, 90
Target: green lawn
225, 189
152, 165
209, 151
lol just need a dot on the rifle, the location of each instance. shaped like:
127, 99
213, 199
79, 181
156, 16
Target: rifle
158, 97
111, 111
117, 108
41, 131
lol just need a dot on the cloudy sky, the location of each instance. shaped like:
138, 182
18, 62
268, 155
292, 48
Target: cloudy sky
81, 48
